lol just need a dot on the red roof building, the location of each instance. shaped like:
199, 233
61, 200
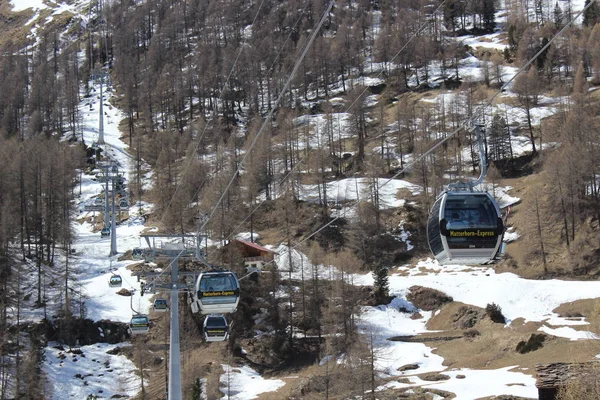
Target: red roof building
254, 255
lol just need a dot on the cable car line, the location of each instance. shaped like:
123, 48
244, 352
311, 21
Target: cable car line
228, 301
421, 29
308, 2
268, 74
270, 114
480, 109
142, 320
464, 124
305, 156
242, 46
165, 269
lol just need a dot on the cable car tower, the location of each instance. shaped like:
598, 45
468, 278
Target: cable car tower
465, 225
173, 248
100, 77
112, 180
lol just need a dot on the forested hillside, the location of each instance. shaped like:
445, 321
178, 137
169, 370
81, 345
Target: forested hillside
201, 78
262, 117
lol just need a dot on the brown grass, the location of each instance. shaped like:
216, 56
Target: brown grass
495, 347
572, 309
445, 319
13, 28
12, 25
521, 217
585, 386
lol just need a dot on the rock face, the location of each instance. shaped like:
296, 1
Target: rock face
408, 367
77, 331
435, 377
554, 375
551, 377
124, 292
466, 317
427, 299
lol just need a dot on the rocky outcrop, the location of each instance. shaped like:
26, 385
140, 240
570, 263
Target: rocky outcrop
82, 332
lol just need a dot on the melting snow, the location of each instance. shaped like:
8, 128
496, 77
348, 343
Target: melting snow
568, 332
477, 384
244, 383
93, 373
20, 5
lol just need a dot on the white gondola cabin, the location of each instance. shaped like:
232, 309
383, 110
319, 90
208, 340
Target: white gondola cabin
160, 305
216, 292
215, 328
115, 281
139, 324
465, 227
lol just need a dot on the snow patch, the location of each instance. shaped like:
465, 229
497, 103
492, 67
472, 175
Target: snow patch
244, 383
477, 384
21, 5
95, 373
569, 333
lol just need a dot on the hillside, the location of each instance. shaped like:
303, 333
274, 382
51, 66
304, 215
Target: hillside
325, 131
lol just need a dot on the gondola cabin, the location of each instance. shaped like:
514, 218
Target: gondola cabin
215, 328
139, 324
216, 292
115, 281
105, 232
123, 204
465, 227
160, 305
137, 254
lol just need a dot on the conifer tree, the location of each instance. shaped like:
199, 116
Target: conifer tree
488, 15
382, 284
591, 16
559, 18
499, 139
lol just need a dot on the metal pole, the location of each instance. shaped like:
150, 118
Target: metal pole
113, 226
174, 358
106, 208
91, 50
101, 127
482, 159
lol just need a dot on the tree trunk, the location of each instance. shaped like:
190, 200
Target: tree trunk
539, 231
